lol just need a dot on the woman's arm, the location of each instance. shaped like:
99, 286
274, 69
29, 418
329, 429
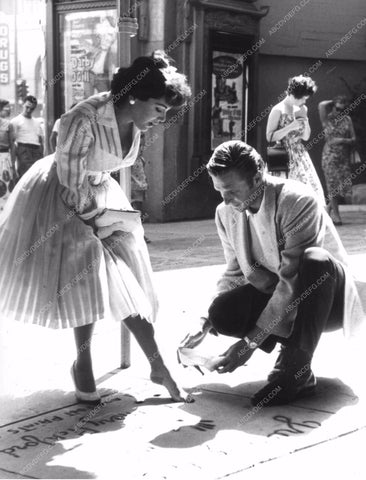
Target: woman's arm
324, 109
76, 141
302, 116
275, 134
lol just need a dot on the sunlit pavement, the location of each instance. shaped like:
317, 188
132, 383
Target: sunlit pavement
138, 433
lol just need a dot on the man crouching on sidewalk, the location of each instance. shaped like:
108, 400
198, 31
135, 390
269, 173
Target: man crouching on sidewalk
281, 283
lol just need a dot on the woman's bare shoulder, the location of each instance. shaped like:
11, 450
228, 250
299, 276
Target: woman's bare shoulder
279, 107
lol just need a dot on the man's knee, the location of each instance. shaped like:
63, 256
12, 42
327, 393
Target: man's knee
227, 311
315, 254
219, 310
316, 261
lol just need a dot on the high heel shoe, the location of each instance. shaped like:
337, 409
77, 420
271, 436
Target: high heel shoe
84, 397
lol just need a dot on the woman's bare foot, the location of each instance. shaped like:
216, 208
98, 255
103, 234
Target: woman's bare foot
161, 376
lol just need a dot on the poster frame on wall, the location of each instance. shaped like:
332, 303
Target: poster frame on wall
55, 74
229, 43
88, 44
229, 92
236, 70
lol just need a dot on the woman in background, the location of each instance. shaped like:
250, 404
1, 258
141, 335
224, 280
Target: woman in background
288, 123
340, 139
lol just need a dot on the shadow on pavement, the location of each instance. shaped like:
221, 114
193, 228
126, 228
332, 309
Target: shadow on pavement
220, 407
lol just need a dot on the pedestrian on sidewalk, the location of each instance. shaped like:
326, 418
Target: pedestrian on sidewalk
28, 136
288, 124
283, 283
7, 154
69, 257
340, 140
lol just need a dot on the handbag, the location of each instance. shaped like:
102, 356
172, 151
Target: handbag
277, 158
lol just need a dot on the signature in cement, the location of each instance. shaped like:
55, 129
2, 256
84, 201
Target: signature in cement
293, 427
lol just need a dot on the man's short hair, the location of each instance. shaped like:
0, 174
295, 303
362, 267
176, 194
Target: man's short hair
236, 155
31, 99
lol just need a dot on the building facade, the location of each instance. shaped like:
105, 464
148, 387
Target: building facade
237, 54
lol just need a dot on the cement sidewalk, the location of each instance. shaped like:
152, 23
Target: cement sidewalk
138, 433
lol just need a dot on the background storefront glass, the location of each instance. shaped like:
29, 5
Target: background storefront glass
88, 53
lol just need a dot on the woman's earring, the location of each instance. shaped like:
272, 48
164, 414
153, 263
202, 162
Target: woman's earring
132, 101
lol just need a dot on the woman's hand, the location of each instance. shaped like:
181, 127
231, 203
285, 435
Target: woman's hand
302, 113
295, 125
105, 232
115, 220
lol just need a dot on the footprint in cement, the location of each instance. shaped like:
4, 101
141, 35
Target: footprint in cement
203, 425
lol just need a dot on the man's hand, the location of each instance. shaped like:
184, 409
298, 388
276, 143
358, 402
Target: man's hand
192, 340
237, 355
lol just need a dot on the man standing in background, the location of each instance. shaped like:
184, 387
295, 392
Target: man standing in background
28, 136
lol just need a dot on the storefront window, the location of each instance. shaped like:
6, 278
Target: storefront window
88, 53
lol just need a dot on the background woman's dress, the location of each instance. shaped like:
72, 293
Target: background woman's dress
301, 167
336, 159
55, 271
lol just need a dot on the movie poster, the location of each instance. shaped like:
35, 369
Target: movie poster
227, 98
89, 53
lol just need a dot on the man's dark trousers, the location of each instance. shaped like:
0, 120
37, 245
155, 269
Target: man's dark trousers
235, 313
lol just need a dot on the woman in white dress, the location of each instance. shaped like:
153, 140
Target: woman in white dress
65, 263
288, 123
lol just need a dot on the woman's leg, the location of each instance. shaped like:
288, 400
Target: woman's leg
334, 206
143, 331
83, 369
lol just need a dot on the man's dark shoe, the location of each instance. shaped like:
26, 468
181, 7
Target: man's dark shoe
285, 389
290, 361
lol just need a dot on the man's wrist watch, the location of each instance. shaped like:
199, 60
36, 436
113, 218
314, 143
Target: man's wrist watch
250, 343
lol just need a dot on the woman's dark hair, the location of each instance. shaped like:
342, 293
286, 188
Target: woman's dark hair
236, 155
301, 86
151, 77
341, 99
3, 103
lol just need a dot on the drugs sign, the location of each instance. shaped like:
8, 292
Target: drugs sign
4, 53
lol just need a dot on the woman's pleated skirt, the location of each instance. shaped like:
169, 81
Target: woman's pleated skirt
54, 270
